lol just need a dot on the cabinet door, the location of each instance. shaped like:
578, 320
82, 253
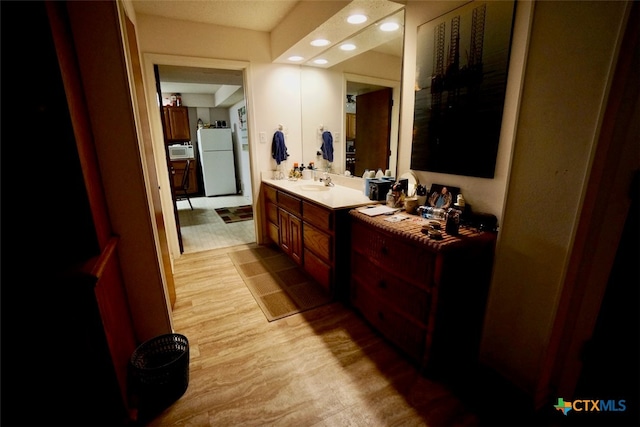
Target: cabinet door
291, 235
178, 123
296, 238
351, 126
167, 124
285, 231
177, 173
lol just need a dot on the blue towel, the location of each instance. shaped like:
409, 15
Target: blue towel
278, 148
327, 146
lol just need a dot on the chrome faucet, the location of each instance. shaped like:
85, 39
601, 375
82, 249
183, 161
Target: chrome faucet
327, 180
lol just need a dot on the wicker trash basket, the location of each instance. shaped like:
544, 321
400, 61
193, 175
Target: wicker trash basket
159, 372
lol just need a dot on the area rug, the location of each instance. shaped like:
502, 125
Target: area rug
279, 286
235, 214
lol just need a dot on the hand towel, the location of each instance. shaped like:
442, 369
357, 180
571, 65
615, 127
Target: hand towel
278, 147
327, 146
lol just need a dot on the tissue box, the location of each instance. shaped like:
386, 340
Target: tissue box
378, 189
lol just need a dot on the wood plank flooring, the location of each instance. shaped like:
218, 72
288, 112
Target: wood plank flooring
323, 367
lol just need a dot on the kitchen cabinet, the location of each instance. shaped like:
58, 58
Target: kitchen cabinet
427, 297
176, 124
177, 168
311, 234
351, 126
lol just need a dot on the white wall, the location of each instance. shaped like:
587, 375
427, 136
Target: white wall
321, 99
568, 70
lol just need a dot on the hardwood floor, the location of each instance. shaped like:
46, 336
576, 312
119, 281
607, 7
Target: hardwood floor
324, 367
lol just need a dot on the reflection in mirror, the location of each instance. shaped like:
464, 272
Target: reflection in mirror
323, 102
368, 127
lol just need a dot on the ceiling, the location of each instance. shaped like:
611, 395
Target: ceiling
275, 17
258, 15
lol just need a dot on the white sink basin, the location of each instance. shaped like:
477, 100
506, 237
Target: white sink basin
313, 187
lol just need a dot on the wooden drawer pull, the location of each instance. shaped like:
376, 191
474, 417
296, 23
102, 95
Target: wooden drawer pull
382, 284
380, 315
384, 250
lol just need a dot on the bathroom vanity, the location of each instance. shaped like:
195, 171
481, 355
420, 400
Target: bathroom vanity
309, 222
425, 296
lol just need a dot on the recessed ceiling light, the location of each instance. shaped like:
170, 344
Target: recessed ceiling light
356, 19
295, 58
348, 46
320, 61
389, 26
320, 42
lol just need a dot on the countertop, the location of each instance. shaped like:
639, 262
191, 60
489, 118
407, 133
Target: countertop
336, 197
411, 229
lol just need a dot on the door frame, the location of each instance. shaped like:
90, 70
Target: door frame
149, 61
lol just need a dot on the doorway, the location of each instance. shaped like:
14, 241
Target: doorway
202, 228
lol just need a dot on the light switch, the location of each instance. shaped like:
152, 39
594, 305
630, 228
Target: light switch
337, 137
263, 137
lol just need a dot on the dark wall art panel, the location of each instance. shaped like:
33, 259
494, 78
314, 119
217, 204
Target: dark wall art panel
461, 77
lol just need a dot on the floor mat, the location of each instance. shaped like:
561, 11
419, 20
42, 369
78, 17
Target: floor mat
278, 284
235, 214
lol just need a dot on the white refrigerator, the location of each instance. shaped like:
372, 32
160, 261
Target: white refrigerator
216, 158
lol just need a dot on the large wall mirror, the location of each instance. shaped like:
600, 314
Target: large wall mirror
360, 97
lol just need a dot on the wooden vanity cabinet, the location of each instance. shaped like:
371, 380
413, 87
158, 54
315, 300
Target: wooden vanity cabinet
427, 297
176, 124
307, 232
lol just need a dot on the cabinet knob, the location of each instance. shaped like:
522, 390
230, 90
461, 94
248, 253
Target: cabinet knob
384, 250
380, 315
382, 284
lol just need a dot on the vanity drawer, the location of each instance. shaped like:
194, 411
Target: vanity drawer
317, 241
411, 300
318, 269
272, 212
412, 262
274, 232
318, 216
290, 203
407, 335
270, 194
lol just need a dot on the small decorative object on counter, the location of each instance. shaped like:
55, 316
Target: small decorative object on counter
398, 195
379, 174
453, 221
410, 205
430, 212
390, 201
421, 194
200, 124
